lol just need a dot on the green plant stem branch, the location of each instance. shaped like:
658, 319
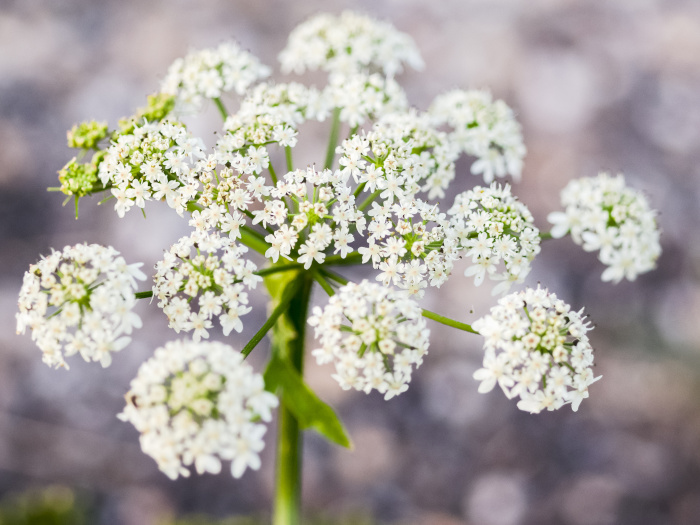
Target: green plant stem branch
545, 236
337, 260
288, 156
448, 322
281, 308
369, 200
222, 108
273, 175
288, 340
333, 139
144, 295
333, 276
321, 280
253, 240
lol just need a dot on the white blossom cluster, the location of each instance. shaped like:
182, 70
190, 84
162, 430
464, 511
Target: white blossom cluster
363, 97
312, 211
208, 73
536, 348
272, 113
483, 128
154, 161
393, 161
79, 301
373, 335
193, 274
411, 244
603, 214
197, 404
497, 232
348, 44
433, 153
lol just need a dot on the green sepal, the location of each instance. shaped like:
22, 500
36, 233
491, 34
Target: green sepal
301, 401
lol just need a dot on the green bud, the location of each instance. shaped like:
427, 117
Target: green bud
78, 178
159, 106
86, 135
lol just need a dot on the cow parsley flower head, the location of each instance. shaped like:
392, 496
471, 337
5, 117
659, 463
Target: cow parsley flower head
361, 97
603, 214
485, 129
208, 73
373, 335
79, 301
433, 152
198, 404
497, 232
348, 44
536, 348
204, 276
153, 161
411, 243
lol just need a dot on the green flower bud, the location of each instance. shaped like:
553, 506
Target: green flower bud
78, 178
86, 135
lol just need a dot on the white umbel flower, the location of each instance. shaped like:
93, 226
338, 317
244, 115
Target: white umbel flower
153, 161
208, 73
497, 232
536, 348
197, 404
603, 214
204, 276
375, 337
80, 300
348, 44
485, 129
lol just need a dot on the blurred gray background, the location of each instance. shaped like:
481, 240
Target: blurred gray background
597, 84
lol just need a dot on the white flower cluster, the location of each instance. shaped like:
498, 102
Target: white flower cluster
408, 251
215, 284
312, 212
433, 153
393, 160
361, 97
197, 404
348, 44
208, 73
497, 232
272, 113
485, 129
536, 348
383, 338
602, 213
79, 301
154, 161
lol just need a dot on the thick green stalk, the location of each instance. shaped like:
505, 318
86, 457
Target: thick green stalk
288, 341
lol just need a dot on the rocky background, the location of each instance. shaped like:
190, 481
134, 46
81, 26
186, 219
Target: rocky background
597, 85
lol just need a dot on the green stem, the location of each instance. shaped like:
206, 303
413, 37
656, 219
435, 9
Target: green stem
369, 200
284, 303
222, 108
288, 339
253, 240
320, 279
273, 175
144, 295
448, 322
351, 258
545, 236
288, 156
333, 139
